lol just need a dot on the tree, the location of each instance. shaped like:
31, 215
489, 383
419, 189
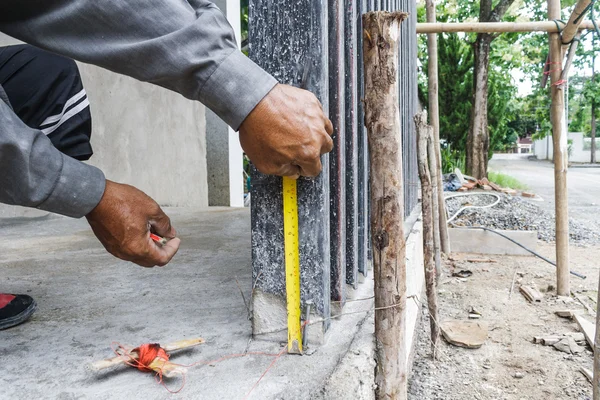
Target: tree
478, 139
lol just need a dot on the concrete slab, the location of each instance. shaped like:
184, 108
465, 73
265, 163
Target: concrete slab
463, 240
88, 299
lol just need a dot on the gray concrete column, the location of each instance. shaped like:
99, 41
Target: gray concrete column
288, 38
224, 157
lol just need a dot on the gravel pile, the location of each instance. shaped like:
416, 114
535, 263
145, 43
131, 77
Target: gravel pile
516, 213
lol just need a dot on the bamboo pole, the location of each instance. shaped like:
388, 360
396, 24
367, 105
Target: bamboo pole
434, 119
424, 136
433, 169
596, 347
381, 32
498, 27
572, 27
559, 136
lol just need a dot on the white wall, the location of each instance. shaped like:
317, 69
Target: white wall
145, 136
543, 148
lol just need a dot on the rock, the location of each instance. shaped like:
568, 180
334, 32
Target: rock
519, 375
515, 213
568, 345
469, 334
459, 175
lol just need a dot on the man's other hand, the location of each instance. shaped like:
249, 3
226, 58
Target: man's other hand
286, 133
123, 221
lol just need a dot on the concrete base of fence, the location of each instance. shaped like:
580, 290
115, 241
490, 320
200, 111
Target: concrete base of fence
463, 240
269, 319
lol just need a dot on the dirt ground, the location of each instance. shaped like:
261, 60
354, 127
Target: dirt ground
509, 365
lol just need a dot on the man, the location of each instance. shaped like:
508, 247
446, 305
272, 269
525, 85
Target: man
185, 46
46, 92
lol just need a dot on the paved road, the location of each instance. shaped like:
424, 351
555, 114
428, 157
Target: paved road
583, 186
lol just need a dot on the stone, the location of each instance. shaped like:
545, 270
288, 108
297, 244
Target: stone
568, 345
519, 375
487, 188
469, 334
528, 194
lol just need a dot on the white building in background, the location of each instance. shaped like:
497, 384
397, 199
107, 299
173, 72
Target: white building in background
579, 148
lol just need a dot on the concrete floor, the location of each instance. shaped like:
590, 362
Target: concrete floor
88, 299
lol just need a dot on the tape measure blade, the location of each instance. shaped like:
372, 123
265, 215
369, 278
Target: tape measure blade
292, 264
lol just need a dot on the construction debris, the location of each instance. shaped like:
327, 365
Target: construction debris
515, 213
587, 373
565, 313
568, 345
588, 329
469, 334
531, 294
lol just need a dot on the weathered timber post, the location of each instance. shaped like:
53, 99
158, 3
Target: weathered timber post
434, 119
596, 380
382, 118
559, 136
572, 27
424, 135
435, 172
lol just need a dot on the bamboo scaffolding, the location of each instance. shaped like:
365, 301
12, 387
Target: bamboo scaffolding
441, 234
559, 136
498, 27
572, 27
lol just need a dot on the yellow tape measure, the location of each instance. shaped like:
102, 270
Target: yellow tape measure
292, 264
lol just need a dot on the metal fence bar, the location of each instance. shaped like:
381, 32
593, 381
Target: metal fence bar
337, 158
363, 171
352, 189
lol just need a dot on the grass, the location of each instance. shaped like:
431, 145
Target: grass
506, 181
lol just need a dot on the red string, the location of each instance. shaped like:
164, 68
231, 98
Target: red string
148, 352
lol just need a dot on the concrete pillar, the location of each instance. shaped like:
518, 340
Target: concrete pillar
338, 113
352, 144
289, 39
224, 157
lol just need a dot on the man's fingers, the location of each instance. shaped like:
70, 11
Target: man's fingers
311, 168
291, 171
328, 126
161, 254
161, 225
327, 146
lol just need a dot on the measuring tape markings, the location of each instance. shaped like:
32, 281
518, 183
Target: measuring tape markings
292, 264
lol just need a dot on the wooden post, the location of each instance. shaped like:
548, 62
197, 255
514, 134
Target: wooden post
381, 32
596, 348
434, 119
424, 135
496, 27
435, 172
575, 20
559, 136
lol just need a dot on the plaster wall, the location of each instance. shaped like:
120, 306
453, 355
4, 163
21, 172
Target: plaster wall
144, 136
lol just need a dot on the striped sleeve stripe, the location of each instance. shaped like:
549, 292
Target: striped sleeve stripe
68, 115
55, 118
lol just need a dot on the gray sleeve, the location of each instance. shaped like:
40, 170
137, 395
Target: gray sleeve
35, 174
186, 46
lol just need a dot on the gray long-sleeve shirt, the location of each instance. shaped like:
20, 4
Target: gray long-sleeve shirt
186, 46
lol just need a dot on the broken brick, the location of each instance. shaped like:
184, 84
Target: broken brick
527, 194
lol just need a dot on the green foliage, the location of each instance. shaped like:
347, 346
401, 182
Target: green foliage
452, 159
244, 17
505, 181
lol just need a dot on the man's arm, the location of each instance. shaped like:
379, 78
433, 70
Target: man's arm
35, 174
185, 46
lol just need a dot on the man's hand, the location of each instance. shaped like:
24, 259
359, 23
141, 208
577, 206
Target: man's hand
286, 133
123, 220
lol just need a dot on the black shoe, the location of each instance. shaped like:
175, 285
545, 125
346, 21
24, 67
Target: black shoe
15, 309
